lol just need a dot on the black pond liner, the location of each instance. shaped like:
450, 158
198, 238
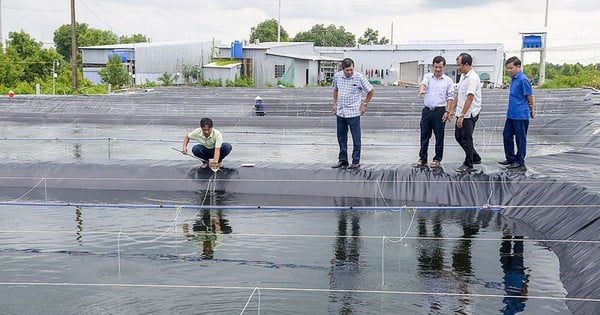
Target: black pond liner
560, 200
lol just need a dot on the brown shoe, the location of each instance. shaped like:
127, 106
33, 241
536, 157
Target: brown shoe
435, 164
419, 163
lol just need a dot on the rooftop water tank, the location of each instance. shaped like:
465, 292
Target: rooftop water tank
123, 55
532, 41
236, 49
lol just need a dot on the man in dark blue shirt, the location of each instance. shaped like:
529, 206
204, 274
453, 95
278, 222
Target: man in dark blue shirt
521, 108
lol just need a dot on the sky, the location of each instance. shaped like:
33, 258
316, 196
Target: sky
572, 26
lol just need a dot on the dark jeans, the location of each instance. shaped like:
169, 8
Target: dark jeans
515, 129
431, 122
206, 154
343, 124
464, 137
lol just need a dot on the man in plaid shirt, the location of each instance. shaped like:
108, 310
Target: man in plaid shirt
348, 89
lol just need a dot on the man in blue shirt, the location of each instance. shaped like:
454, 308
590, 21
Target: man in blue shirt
348, 88
521, 108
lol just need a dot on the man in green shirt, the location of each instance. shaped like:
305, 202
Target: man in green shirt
210, 144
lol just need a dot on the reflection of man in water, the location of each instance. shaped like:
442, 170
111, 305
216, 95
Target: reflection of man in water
207, 231
515, 278
345, 271
431, 263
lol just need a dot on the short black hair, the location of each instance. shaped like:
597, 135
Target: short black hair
514, 60
204, 122
347, 62
438, 59
465, 59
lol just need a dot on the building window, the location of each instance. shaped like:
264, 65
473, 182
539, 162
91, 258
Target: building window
279, 71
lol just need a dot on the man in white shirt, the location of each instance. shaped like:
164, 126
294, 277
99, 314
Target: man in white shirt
466, 107
437, 89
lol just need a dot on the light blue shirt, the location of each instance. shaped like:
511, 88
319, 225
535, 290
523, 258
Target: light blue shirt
438, 90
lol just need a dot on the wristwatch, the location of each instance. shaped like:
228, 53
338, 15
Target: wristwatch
364, 103
460, 115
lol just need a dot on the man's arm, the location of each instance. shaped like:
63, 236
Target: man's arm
335, 98
461, 116
363, 105
186, 140
422, 88
217, 155
531, 101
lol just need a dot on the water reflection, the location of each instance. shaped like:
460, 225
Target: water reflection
345, 266
431, 261
77, 151
207, 231
79, 221
209, 225
438, 274
515, 278
462, 263
346, 272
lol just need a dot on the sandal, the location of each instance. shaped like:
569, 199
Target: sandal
419, 163
435, 164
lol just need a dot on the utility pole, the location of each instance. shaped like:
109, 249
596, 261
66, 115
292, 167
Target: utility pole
1, 40
73, 46
542, 77
279, 23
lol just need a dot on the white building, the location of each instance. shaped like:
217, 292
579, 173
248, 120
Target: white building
147, 61
291, 63
408, 63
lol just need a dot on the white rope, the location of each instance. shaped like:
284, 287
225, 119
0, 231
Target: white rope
34, 187
257, 289
391, 240
177, 211
287, 289
252, 235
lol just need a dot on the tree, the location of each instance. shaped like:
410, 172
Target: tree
114, 73
85, 36
10, 71
135, 38
266, 31
371, 37
30, 59
331, 36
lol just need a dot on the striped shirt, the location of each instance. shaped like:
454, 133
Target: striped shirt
350, 92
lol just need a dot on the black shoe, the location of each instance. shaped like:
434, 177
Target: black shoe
521, 168
465, 169
517, 167
354, 166
505, 162
340, 164
513, 165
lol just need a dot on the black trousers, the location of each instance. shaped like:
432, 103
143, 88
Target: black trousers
464, 137
431, 122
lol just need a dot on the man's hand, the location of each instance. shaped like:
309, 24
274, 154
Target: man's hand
184, 150
447, 117
421, 94
334, 109
459, 121
214, 165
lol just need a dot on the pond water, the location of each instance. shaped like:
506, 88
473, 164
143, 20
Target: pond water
136, 260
